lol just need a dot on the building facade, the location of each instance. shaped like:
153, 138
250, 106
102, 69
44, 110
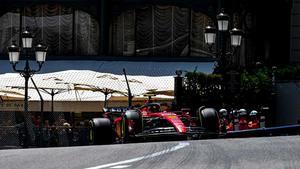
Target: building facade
146, 30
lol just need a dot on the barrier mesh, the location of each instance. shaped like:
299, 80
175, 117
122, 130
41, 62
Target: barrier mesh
8, 130
54, 131
78, 96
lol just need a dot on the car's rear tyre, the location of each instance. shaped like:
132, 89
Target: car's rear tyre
136, 117
130, 116
101, 131
209, 119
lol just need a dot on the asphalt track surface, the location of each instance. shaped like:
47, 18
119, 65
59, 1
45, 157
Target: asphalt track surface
268, 152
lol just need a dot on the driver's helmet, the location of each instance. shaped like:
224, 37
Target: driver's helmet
242, 112
232, 112
223, 112
253, 113
154, 108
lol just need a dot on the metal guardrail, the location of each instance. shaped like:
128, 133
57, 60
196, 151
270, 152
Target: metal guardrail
262, 132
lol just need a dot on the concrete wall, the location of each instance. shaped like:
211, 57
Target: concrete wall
287, 103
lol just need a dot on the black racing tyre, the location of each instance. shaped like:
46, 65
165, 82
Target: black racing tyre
130, 115
136, 116
209, 119
101, 131
133, 115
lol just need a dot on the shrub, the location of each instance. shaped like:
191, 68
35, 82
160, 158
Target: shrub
202, 89
256, 87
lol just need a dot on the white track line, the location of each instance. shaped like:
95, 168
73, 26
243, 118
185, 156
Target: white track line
121, 166
175, 148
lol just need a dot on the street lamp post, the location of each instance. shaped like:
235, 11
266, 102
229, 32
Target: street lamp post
14, 55
225, 66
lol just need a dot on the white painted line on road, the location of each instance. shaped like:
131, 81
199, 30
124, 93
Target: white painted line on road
175, 148
121, 166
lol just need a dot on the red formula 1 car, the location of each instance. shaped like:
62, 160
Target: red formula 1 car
149, 121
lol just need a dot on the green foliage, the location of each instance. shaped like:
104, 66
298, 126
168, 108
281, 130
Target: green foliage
256, 87
202, 89
288, 72
257, 82
209, 89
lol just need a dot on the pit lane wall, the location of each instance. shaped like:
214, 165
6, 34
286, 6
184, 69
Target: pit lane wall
287, 103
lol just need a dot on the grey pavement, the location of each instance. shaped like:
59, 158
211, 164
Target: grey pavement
264, 152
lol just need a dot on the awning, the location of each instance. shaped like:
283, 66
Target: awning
86, 85
10, 94
87, 80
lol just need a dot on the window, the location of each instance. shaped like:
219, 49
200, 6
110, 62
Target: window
65, 30
155, 30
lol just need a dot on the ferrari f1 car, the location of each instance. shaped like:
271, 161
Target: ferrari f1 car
149, 121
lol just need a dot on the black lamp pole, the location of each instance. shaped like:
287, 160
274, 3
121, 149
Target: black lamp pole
225, 66
178, 89
27, 72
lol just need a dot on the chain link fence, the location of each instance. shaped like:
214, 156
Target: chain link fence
96, 86
54, 131
8, 130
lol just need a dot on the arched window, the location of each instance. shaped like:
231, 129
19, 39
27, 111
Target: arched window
65, 30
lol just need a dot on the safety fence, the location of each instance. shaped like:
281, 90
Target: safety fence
8, 136
8, 130
15, 136
61, 136
52, 132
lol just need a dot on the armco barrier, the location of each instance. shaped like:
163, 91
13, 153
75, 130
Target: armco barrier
261, 132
